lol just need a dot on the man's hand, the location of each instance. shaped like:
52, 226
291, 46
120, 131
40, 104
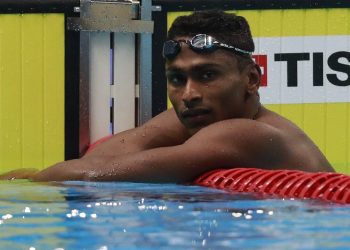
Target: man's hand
23, 173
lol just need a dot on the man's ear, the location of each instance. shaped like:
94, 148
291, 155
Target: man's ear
254, 75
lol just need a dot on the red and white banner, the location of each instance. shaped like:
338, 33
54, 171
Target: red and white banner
305, 69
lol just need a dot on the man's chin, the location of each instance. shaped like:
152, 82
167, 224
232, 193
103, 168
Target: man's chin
194, 127
194, 130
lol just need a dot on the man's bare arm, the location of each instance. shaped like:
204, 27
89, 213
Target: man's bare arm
161, 131
221, 145
225, 144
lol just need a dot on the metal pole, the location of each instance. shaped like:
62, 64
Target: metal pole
145, 66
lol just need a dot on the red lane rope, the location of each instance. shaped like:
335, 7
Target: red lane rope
331, 187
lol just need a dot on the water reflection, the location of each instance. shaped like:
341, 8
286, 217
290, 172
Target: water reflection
78, 215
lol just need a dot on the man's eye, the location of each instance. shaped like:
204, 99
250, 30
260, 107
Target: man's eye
207, 75
176, 79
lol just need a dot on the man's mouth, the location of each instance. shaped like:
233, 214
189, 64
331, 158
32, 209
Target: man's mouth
195, 115
194, 112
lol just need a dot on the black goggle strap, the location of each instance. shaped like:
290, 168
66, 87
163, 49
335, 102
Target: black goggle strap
172, 47
235, 49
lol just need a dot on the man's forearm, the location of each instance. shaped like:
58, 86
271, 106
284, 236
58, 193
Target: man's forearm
77, 169
165, 164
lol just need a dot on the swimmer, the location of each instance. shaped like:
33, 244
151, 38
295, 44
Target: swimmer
217, 120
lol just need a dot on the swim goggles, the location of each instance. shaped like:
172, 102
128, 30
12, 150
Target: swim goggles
199, 43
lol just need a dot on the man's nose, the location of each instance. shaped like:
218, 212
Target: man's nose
192, 94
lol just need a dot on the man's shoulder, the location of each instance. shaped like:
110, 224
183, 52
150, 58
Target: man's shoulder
277, 121
265, 119
241, 129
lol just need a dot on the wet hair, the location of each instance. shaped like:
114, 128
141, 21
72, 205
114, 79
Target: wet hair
225, 27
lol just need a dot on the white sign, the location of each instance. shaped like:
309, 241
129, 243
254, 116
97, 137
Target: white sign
305, 69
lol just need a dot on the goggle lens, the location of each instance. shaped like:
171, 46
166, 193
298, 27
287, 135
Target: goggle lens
171, 48
202, 41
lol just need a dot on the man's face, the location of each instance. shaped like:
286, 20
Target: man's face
206, 87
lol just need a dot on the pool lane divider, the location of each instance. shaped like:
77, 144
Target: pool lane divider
332, 187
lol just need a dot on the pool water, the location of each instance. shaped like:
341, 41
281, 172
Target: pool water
101, 216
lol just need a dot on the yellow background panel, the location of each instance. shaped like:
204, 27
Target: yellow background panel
31, 90
53, 76
308, 22
326, 123
32, 85
11, 90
